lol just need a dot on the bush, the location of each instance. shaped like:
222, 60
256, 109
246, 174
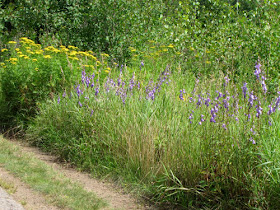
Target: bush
31, 74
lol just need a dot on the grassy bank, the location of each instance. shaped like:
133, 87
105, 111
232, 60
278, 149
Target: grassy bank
59, 190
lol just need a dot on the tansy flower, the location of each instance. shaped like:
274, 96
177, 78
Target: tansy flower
12, 42
17, 49
47, 56
34, 60
38, 46
104, 54
91, 56
72, 47
73, 53
39, 52
36, 69
30, 52
56, 50
4, 49
170, 46
13, 59
74, 58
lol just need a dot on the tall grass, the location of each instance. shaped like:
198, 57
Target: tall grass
194, 143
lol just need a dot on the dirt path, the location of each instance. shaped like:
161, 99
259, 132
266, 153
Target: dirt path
23, 194
116, 197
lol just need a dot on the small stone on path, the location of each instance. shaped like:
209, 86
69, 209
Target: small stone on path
7, 202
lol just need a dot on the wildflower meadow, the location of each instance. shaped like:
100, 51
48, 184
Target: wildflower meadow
186, 115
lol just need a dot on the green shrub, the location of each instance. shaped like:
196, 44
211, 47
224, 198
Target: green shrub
31, 74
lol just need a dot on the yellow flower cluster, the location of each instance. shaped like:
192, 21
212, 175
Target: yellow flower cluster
89, 66
47, 56
29, 42
52, 49
104, 54
12, 60
28, 49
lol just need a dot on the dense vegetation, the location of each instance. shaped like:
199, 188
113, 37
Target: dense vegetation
178, 97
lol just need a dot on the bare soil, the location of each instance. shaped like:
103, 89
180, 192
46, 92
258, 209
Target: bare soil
114, 195
23, 194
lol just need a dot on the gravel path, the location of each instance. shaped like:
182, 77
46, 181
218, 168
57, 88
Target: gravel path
7, 202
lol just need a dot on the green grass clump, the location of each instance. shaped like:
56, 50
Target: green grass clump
203, 146
58, 189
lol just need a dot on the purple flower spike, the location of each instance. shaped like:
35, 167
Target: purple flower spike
251, 99
142, 64
80, 104
202, 118
258, 70
78, 90
226, 80
58, 100
181, 94
244, 89
252, 140
207, 101
64, 94
269, 122
270, 110
191, 116
212, 119
83, 76
258, 110
264, 86
252, 130
96, 91
224, 126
